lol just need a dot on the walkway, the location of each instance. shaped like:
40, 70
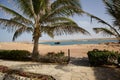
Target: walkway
67, 72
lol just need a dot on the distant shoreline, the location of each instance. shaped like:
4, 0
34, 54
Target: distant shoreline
62, 40
77, 40
83, 41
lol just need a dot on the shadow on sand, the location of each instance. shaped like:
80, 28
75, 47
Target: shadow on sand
104, 73
100, 73
79, 61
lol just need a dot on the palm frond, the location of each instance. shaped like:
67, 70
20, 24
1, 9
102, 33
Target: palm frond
104, 31
112, 8
65, 11
116, 24
103, 22
11, 25
10, 11
67, 28
62, 25
21, 30
38, 5
26, 7
96, 18
41, 6
56, 19
22, 20
16, 14
58, 3
48, 30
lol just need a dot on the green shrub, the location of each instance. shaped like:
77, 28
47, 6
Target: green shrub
53, 57
53, 54
60, 54
20, 55
119, 59
98, 57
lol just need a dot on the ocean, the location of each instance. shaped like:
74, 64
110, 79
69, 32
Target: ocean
78, 42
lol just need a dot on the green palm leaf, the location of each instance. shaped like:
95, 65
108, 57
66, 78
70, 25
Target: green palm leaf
113, 9
62, 25
103, 22
67, 10
65, 28
22, 20
26, 6
48, 30
16, 14
105, 31
68, 28
57, 19
59, 3
21, 30
10, 24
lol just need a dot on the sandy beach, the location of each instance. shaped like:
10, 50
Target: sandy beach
77, 69
79, 50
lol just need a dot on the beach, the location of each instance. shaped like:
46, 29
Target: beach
77, 69
77, 50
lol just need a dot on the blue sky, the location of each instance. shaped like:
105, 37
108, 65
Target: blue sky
95, 7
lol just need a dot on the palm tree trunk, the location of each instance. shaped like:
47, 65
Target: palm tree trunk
35, 53
36, 36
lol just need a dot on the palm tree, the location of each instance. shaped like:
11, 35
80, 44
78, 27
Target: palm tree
43, 16
113, 9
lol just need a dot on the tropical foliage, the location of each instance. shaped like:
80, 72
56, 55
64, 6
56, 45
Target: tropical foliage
42, 16
113, 9
103, 57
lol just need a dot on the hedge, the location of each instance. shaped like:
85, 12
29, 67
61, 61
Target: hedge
99, 57
19, 55
23, 55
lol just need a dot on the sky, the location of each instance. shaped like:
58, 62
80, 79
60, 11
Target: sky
95, 7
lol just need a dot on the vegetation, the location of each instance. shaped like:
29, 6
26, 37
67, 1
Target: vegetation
99, 57
113, 9
42, 16
53, 57
11, 73
23, 55
18, 55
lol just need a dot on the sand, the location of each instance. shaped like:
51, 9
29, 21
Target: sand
79, 50
71, 71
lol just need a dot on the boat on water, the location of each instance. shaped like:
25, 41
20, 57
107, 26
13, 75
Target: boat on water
57, 43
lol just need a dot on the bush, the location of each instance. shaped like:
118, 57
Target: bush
20, 55
119, 60
98, 57
53, 57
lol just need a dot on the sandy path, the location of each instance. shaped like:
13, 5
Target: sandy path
66, 72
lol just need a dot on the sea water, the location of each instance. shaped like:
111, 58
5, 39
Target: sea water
79, 42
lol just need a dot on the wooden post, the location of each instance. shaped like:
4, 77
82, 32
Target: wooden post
68, 55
